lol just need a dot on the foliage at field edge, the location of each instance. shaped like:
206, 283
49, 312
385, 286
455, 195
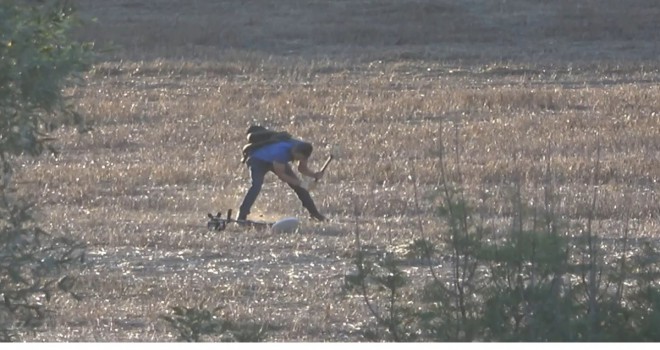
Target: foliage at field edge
544, 279
38, 61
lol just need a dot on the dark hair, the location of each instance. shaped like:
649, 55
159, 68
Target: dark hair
305, 148
254, 128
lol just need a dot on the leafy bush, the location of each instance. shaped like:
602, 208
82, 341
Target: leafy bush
198, 323
544, 279
38, 61
193, 323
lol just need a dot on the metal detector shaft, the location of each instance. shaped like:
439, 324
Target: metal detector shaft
217, 223
249, 222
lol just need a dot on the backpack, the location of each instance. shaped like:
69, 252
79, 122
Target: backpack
258, 136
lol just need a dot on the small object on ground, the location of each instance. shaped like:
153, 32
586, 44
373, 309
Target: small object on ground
286, 225
216, 223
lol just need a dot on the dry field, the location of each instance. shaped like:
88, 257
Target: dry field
508, 89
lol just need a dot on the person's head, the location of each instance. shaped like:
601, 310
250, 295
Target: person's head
302, 150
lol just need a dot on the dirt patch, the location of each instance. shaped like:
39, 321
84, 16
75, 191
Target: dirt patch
516, 30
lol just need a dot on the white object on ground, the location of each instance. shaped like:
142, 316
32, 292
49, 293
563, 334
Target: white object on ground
285, 225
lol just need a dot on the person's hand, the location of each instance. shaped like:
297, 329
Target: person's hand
308, 184
318, 175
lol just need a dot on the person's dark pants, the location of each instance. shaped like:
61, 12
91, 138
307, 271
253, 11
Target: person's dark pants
258, 170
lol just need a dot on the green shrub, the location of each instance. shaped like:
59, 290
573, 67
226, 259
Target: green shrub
38, 62
543, 279
197, 324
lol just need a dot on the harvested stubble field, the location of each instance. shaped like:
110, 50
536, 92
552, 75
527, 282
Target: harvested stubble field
508, 88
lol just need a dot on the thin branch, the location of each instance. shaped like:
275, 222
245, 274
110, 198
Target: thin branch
592, 250
360, 266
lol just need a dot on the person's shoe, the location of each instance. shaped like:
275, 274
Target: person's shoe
318, 217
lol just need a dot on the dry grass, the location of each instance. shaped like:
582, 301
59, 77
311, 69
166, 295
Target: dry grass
390, 82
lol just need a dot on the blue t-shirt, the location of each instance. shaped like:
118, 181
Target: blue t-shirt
277, 152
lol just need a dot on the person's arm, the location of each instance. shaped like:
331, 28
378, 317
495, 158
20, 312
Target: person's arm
304, 169
280, 170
